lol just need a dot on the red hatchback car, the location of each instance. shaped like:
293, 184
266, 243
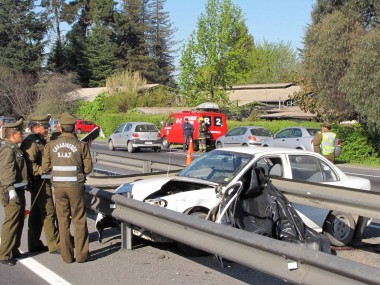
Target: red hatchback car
83, 126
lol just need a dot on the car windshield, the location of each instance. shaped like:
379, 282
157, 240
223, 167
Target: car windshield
261, 132
217, 166
312, 132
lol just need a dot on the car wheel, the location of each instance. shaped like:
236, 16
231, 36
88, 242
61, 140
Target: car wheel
165, 143
244, 144
79, 131
219, 145
130, 147
339, 228
191, 251
110, 145
265, 145
157, 149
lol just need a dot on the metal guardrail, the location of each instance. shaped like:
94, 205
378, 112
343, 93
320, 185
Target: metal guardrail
290, 262
145, 166
359, 202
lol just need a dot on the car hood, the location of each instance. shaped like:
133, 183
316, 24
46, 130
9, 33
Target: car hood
357, 183
142, 189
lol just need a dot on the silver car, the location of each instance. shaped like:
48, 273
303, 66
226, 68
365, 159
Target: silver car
298, 138
244, 136
135, 136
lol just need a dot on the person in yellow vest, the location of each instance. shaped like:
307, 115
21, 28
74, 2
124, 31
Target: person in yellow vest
328, 142
42, 211
13, 182
69, 161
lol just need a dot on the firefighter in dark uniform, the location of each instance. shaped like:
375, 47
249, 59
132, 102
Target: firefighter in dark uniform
42, 212
69, 161
13, 182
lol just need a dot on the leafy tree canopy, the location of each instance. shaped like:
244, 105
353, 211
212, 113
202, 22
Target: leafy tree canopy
215, 56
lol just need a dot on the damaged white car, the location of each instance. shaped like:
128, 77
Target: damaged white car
198, 188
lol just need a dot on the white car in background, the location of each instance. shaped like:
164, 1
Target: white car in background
193, 190
298, 138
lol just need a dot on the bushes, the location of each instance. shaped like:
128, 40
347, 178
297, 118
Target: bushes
356, 145
110, 122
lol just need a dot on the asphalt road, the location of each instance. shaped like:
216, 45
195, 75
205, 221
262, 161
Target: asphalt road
151, 263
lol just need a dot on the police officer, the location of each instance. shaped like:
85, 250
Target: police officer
188, 130
202, 135
42, 212
317, 140
13, 182
69, 161
328, 142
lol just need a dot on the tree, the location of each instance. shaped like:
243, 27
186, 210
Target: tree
55, 93
161, 43
22, 31
75, 53
362, 79
16, 91
100, 56
272, 63
333, 59
131, 38
216, 54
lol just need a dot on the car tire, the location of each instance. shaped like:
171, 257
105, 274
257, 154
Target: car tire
165, 143
79, 131
157, 149
265, 145
219, 145
130, 147
339, 228
191, 251
244, 144
110, 145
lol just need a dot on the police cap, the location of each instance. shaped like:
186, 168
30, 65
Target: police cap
67, 120
16, 125
42, 120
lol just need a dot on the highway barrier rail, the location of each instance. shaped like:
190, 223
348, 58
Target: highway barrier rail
290, 262
145, 166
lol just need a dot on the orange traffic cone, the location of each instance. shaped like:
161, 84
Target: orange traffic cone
190, 150
191, 146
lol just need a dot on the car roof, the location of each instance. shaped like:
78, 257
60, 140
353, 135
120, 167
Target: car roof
147, 123
251, 127
267, 150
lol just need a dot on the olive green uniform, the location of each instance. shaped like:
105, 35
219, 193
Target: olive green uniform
13, 176
69, 161
42, 212
317, 140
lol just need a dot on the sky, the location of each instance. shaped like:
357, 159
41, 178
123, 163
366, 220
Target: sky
271, 20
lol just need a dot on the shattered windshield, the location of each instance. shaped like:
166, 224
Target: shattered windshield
217, 166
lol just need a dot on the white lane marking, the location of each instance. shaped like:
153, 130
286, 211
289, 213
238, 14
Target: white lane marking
45, 273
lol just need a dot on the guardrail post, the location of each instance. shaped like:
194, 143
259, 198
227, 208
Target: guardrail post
126, 233
146, 166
